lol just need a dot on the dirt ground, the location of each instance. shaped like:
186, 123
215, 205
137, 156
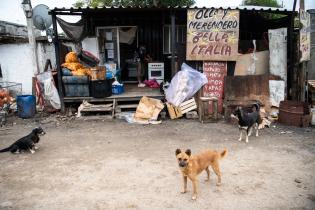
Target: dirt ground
110, 164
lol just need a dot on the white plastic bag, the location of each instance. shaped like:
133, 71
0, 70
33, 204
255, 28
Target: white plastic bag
49, 90
51, 94
184, 85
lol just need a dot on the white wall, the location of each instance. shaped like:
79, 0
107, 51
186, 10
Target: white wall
16, 65
45, 51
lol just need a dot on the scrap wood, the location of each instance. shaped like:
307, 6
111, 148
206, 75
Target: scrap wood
265, 123
173, 111
86, 106
188, 106
177, 112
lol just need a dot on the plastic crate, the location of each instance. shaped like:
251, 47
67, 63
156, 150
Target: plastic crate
101, 88
117, 89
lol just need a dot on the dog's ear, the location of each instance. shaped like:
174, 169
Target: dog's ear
188, 152
177, 151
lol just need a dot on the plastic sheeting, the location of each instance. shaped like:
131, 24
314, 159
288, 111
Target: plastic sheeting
184, 85
127, 36
49, 90
75, 31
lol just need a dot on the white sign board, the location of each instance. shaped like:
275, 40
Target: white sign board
305, 36
278, 52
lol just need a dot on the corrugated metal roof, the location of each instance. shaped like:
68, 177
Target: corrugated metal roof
253, 8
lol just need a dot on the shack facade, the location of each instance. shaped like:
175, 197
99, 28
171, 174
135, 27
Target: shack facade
113, 34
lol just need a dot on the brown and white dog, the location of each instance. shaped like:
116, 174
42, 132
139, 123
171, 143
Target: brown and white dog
192, 165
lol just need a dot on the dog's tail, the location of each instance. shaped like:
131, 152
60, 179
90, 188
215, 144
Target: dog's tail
257, 106
6, 149
223, 153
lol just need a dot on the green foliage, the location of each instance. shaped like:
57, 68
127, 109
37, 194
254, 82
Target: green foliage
134, 3
266, 3
79, 3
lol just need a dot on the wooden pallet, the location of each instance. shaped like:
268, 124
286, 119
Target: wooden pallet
188, 106
173, 111
86, 107
130, 105
126, 107
177, 112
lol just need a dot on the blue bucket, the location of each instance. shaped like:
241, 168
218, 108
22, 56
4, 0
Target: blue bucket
26, 106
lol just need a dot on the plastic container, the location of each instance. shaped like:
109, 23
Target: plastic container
26, 106
101, 88
117, 89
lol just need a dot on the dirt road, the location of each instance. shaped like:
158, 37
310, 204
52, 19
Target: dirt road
116, 165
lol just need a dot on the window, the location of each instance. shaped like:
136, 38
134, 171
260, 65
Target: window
180, 37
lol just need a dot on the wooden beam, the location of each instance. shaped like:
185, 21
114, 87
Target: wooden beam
57, 54
291, 80
173, 34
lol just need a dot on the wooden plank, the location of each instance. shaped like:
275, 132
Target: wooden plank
92, 109
219, 43
247, 88
187, 106
174, 112
127, 106
99, 106
183, 111
188, 102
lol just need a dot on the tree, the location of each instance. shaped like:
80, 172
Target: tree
266, 3
134, 3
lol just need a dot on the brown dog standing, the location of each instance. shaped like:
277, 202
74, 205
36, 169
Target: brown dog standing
192, 165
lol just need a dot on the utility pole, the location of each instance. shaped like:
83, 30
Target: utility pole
28, 11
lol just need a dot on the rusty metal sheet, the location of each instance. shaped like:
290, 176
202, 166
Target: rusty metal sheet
247, 88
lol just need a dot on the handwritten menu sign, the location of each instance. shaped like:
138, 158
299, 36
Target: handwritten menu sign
215, 72
212, 34
305, 36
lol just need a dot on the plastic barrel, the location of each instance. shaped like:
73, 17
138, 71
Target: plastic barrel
26, 105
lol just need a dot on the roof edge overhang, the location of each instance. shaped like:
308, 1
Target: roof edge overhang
85, 10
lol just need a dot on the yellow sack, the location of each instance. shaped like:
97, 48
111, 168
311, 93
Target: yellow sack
73, 66
71, 57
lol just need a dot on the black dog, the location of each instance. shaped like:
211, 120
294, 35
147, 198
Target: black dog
26, 143
248, 121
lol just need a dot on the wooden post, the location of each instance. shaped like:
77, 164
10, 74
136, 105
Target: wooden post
173, 42
292, 61
57, 54
303, 69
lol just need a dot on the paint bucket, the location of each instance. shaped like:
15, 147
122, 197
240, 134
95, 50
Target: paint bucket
26, 106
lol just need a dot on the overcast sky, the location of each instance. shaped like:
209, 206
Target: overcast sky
10, 10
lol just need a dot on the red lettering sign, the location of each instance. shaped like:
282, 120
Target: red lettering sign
215, 72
